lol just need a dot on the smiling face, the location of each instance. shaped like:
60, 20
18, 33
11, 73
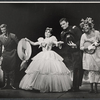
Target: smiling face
64, 24
47, 33
3, 30
86, 28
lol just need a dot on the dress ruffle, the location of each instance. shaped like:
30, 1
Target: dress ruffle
46, 82
47, 73
92, 62
47, 62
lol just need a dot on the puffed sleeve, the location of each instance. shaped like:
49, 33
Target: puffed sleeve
98, 35
40, 40
54, 38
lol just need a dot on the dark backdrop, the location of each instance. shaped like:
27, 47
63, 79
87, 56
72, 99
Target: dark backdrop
30, 19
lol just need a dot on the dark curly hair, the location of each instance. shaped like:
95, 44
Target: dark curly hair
50, 29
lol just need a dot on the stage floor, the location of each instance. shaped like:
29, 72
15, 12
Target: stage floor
9, 93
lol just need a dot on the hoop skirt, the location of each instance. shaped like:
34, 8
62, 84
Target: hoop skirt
47, 73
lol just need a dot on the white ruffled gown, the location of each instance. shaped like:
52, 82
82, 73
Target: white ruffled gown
47, 72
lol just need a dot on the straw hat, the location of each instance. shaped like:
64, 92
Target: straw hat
24, 49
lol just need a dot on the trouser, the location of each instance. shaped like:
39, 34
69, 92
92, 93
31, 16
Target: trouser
9, 78
94, 76
77, 77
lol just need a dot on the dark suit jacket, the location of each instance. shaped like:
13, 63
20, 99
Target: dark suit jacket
9, 55
73, 55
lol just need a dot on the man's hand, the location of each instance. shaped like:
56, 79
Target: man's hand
73, 45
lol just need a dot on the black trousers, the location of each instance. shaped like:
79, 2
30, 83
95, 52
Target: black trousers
77, 77
9, 77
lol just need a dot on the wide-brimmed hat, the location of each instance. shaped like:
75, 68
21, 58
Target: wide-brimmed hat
24, 49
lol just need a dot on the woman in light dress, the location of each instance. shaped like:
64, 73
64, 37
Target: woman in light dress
91, 52
47, 72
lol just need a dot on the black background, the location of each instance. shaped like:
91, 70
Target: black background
31, 19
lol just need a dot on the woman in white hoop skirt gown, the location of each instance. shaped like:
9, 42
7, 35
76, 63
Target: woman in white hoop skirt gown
47, 72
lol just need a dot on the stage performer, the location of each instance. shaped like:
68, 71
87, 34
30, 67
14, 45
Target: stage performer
71, 50
9, 55
91, 51
47, 72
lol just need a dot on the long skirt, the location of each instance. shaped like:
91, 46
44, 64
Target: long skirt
47, 73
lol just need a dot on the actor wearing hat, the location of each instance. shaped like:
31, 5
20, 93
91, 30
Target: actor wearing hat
71, 49
47, 72
9, 63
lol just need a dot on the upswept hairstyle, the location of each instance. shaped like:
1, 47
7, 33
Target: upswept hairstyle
48, 28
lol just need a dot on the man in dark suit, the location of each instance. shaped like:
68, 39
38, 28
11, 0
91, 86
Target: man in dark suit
71, 36
9, 62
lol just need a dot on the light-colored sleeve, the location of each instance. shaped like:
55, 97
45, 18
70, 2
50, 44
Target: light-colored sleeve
40, 40
54, 39
98, 35
82, 40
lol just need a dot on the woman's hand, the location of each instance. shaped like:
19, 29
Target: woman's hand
26, 39
91, 47
43, 44
60, 44
95, 43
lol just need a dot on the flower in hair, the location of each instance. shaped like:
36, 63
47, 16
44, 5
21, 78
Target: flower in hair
87, 21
